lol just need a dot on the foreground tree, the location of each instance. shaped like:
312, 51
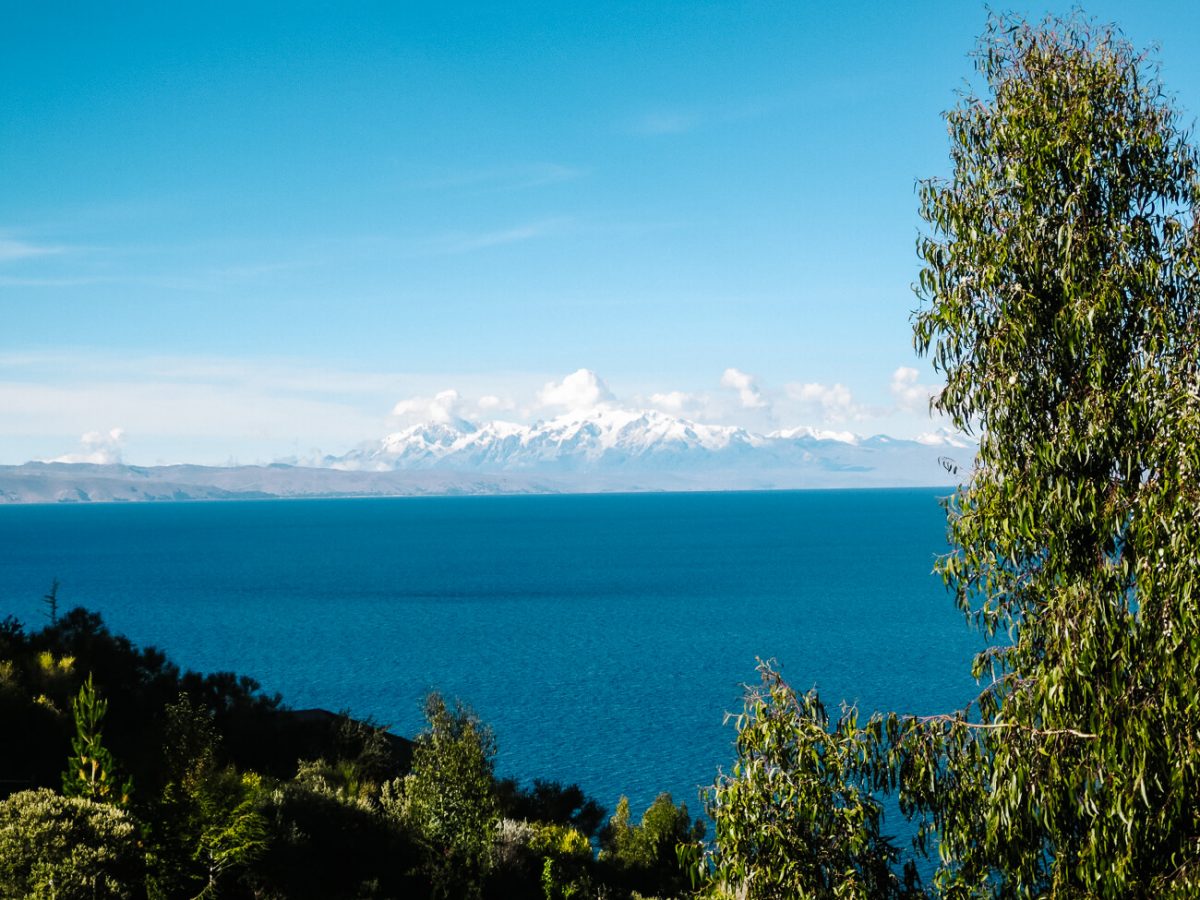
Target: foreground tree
794, 817
210, 827
1061, 300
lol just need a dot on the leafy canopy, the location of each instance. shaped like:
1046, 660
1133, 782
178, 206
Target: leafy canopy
793, 817
1059, 298
1060, 287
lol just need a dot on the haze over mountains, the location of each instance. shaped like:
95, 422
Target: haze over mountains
605, 448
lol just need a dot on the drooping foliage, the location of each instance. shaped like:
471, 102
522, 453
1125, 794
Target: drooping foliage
795, 816
1061, 300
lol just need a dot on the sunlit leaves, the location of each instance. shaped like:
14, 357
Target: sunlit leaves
1060, 292
448, 801
1060, 295
795, 816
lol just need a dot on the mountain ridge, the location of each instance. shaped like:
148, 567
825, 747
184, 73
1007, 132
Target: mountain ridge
611, 439
605, 449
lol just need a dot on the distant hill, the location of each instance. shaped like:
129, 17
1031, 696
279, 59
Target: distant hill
84, 482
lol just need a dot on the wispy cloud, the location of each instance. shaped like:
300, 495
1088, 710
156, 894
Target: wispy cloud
224, 416
269, 376
683, 118
666, 122
112, 266
53, 282
501, 178
467, 242
12, 249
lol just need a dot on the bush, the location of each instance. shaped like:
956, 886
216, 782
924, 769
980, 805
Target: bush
67, 847
645, 857
447, 803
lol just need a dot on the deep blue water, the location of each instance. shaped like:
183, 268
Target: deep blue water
603, 637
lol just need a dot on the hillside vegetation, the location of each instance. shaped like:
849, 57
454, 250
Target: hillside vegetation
125, 777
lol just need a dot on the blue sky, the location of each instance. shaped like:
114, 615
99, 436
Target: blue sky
249, 235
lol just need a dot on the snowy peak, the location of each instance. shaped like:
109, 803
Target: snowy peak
606, 440
816, 434
944, 437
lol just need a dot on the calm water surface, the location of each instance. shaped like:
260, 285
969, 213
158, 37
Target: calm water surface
602, 636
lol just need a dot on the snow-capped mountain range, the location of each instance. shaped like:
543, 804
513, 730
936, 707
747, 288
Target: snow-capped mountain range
601, 449
648, 449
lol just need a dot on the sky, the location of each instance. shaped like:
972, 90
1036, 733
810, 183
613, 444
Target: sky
247, 233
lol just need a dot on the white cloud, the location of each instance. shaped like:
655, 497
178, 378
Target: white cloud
444, 407
205, 409
582, 389
97, 447
746, 385
834, 402
910, 395
943, 437
676, 402
492, 403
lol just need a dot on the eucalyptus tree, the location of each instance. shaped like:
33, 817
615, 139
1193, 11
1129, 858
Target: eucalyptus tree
1061, 289
1060, 298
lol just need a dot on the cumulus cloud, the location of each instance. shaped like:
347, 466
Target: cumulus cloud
676, 402
910, 395
443, 408
749, 393
101, 448
492, 403
582, 389
834, 402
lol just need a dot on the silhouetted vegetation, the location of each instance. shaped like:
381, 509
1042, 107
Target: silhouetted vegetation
126, 777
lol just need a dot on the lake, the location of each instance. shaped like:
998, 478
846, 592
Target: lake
603, 637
